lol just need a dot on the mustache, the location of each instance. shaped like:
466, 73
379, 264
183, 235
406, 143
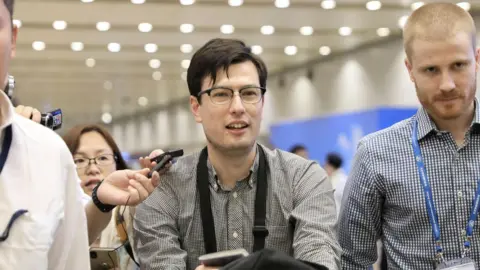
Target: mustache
447, 96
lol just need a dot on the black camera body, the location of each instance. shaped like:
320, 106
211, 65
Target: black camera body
52, 120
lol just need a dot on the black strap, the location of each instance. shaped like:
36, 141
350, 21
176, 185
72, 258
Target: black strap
259, 229
7, 142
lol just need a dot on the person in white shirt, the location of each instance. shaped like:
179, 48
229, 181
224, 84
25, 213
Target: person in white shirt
42, 207
338, 178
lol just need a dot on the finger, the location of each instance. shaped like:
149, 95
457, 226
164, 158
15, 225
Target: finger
19, 109
142, 192
156, 152
134, 196
36, 116
155, 179
27, 112
145, 182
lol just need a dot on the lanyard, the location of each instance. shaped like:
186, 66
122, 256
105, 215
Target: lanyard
7, 142
259, 229
432, 212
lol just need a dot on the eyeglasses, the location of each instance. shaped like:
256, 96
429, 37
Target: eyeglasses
14, 217
102, 160
223, 95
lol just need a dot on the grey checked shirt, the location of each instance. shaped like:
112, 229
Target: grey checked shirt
168, 228
384, 197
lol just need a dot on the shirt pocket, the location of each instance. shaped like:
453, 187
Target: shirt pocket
30, 237
279, 238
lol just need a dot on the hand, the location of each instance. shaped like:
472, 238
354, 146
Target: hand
145, 162
29, 112
129, 186
203, 267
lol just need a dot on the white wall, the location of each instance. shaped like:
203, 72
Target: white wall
363, 79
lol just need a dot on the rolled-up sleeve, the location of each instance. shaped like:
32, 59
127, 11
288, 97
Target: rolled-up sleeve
315, 218
360, 216
156, 233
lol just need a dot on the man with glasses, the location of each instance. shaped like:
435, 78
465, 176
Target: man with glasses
235, 193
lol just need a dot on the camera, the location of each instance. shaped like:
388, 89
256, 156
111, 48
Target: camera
52, 120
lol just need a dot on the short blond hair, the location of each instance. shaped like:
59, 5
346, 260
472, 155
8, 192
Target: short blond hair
437, 21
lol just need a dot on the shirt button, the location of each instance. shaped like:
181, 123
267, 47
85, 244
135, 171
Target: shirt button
235, 194
235, 234
459, 194
464, 232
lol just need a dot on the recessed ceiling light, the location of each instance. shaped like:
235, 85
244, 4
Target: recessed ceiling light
186, 28
185, 63
282, 3
103, 26
324, 50
186, 48
290, 50
157, 75
374, 5
402, 21
17, 23
76, 46
145, 27
114, 47
142, 101
345, 31
107, 118
90, 62
227, 29
187, 2
328, 4
59, 25
383, 32
38, 45
267, 30
235, 3
184, 76
306, 30
154, 63
465, 5
257, 49
87, 1
151, 48
108, 85
138, 2
416, 5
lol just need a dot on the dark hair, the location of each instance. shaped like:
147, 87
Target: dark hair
335, 160
9, 4
297, 147
221, 53
72, 139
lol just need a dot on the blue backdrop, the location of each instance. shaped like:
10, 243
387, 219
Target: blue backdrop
336, 133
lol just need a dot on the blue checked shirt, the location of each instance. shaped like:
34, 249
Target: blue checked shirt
384, 197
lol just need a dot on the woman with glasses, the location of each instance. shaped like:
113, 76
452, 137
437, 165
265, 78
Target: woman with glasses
97, 155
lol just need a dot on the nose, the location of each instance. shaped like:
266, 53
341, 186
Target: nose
447, 84
92, 168
237, 107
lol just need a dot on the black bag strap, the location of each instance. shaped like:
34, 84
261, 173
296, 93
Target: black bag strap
259, 229
205, 204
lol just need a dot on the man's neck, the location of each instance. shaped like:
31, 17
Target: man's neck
231, 167
459, 126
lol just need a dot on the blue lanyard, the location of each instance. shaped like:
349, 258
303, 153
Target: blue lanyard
432, 212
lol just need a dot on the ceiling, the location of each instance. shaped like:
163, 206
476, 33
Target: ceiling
59, 77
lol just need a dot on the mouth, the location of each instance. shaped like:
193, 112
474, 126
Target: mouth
237, 126
91, 183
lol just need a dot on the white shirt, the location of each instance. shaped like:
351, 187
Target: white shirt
40, 176
338, 179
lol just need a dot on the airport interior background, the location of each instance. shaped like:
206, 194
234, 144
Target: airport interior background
336, 68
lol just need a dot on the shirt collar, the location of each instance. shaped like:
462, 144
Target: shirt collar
7, 111
426, 124
252, 177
